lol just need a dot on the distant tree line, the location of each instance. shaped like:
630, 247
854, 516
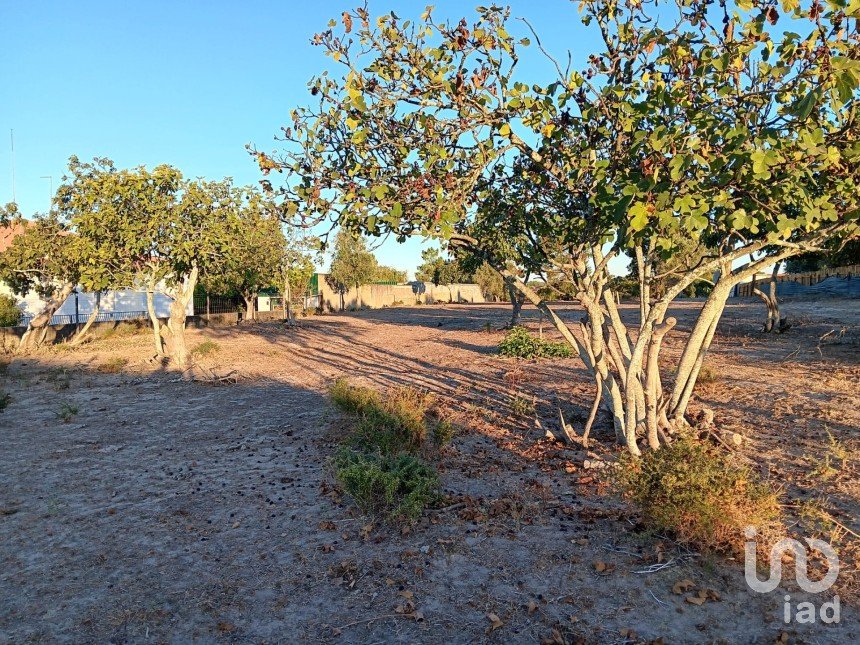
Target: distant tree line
153, 231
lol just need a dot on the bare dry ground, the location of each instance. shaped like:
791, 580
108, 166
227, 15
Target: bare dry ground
138, 507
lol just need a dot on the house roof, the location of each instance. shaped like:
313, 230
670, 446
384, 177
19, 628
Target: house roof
9, 233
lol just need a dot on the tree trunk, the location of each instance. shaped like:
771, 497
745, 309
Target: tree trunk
697, 346
37, 329
250, 312
517, 301
178, 314
82, 334
775, 322
156, 325
653, 388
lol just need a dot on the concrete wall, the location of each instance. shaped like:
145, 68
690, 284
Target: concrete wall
374, 296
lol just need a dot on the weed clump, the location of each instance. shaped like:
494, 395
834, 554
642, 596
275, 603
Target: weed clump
397, 487
693, 491
5, 400
113, 365
206, 348
380, 466
67, 412
522, 407
352, 398
519, 343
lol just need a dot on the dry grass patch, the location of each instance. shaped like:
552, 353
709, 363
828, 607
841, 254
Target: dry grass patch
113, 365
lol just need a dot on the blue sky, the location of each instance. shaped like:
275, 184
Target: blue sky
188, 83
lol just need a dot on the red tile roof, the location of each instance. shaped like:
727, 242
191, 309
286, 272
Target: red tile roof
9, 232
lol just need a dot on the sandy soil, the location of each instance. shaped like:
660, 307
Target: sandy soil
136, 507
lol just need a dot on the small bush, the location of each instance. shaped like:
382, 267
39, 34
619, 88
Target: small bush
397, 488
206, 348
693, 491
10, 314
443, 433
380, 468
519, 343
67, 412
5, 400
113, 365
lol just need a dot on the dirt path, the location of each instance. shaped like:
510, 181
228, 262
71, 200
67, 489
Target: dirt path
169, 511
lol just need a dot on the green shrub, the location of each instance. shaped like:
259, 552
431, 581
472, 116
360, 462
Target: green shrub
380, 467
519, 343
10, 315
692, 490
206, 348
443, 433
394, 487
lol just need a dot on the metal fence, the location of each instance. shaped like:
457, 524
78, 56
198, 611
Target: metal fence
80, 318
205, 305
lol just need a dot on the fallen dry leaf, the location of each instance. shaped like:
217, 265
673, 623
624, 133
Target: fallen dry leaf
683, 586
695, 600
532, 607
495, 623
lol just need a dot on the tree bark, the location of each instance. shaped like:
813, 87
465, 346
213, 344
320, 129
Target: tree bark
178, 315
697, 345
517, 301
156, 324
37, 329
653, 387
250, 313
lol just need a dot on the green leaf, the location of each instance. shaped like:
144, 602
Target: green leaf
638, 216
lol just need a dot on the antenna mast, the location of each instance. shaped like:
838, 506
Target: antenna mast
12, 142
